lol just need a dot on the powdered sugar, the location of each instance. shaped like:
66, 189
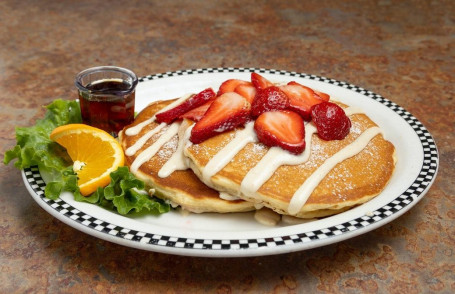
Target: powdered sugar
168, 148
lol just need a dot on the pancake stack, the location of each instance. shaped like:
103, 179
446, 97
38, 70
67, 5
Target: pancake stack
233, 171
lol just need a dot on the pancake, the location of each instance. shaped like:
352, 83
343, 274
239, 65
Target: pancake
180, 187
303, 190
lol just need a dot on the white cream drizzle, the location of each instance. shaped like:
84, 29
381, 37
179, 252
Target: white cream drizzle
272, 160
142, 140
148, 153
228, 197
177, 161
137, 128
225, 155
303, 193
134, 130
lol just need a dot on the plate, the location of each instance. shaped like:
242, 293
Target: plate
237, 235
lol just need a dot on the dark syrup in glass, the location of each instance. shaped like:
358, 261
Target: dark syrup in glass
107, 110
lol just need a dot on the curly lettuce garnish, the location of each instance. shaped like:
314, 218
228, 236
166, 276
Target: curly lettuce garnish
124, 194
33, 144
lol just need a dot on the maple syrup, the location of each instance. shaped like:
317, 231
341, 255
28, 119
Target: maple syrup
107, 97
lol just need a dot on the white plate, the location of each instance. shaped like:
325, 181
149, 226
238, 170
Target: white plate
234, 235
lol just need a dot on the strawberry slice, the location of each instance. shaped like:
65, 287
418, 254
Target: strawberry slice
227, 112
268, 99
259, 81
246, 90
197, 113
331, 121
317, 94
322, 95
194, 101
230, 85
281, 128
301, 98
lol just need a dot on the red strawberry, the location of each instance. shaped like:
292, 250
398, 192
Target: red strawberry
322, 96
259, 81
197, 113
230, 85
227, 112
331, 121
301, 98
194, 101
281, 128
268, 99
316, 94
246, 90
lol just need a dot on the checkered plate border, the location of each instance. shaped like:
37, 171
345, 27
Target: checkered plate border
155, 242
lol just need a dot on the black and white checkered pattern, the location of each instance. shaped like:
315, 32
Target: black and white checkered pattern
411, 194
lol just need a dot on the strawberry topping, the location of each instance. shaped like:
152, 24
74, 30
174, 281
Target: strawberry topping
321, 95
317, 94
268, 99
281, 128
230, 85
280, 112
227, 112
331, 121
259, 81
197, 113
194, 101
246, 90
301, 98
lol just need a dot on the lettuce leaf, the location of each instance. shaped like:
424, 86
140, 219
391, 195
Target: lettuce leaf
124, 194
35, 148
33, 144
65, 180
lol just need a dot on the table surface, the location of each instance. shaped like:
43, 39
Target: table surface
403, 50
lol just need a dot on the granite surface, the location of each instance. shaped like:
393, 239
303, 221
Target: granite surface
403, 50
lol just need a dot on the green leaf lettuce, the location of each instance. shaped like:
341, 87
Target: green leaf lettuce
125, 193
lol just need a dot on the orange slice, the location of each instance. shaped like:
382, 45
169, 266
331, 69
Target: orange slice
94, 152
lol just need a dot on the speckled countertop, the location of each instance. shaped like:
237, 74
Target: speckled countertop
403, 50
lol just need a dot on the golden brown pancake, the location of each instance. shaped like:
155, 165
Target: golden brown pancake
182, 187
351, 182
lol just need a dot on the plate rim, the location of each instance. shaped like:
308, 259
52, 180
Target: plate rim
231, 247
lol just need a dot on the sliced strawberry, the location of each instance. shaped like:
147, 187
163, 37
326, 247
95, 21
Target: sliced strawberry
259, 81
316, 94
227, 112
301, 98
197, 113
246, 90
331, 121
230, 85
268, 99
322, 95
194, 101
281, 128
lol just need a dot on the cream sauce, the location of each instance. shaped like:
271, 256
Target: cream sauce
272, 160
225, 155
178, 161
142, 140
303, 193
148, 153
